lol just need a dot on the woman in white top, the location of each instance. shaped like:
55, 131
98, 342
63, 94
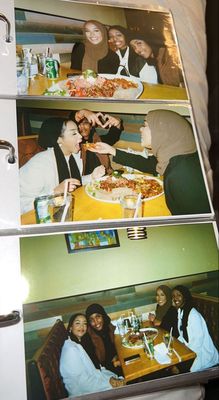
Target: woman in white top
47, 172
193, 331
80, 376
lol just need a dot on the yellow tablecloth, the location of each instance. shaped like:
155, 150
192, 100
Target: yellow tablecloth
89, 209
161, 92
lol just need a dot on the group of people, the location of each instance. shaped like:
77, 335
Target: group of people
89, 361
117, 50
167, 134
175, 311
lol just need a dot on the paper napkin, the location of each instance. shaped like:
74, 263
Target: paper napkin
160, 354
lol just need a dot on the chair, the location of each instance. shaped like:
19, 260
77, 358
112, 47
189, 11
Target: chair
27, 147
45, 381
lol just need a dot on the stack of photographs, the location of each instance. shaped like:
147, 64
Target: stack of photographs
108, 144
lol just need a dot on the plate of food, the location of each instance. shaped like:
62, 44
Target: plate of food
133, 340
92, 85
150, 333
111, 189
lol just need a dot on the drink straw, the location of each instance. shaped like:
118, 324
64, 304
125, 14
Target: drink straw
168, 347
146, 342
65, 191
65, 210
137, 205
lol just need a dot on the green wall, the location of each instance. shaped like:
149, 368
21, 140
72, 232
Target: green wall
109, 15
169, 251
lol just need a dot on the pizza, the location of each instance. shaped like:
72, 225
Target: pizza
89, 145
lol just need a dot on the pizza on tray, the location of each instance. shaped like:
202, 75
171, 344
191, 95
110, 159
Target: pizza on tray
111, 189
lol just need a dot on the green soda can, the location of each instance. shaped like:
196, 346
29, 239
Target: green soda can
41, 206
52, 68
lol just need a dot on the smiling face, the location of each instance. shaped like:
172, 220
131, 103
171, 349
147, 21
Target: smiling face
84, 127
161, 297
93, 33
79, 326
96, 321
117, 39
141, 48
70, 140
145, 135
178, 299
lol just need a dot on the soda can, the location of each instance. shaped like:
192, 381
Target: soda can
41, 206
52, 68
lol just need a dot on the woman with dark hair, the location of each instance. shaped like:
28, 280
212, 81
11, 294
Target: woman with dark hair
47, 172
118, 41
79, 366
164, 302
164, 61
94, 53
192, 330
101, 331
87, 122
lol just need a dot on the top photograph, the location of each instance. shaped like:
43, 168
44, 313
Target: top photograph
107, 53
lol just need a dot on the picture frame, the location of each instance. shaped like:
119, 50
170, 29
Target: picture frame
94, 240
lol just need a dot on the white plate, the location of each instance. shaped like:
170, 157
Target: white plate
114, 196
126, 94
128, 345
154, 332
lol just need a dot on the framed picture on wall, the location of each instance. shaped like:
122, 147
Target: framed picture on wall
96, 240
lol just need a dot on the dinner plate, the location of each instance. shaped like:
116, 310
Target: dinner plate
149, 332
126, 343
94, 190
61, 88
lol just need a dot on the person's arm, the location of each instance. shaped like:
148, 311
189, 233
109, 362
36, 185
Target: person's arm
116, 127
136, 161
127, 159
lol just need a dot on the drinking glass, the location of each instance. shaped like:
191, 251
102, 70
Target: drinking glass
129, 204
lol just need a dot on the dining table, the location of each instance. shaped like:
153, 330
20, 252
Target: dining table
145, 366
40, 83
88, 208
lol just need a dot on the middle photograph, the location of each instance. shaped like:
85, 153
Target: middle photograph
84, 165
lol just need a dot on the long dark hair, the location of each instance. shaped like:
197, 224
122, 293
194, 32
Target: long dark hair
85, 342
187, 306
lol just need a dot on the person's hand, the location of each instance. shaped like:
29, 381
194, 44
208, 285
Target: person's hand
98, 172
117, 382
116, 362
72, 185
93, 118
102, 148
151, 317
111, 121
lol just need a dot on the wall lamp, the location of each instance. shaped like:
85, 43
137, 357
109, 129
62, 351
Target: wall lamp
137, 233
10, 319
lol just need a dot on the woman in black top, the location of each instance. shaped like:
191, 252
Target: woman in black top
94, 53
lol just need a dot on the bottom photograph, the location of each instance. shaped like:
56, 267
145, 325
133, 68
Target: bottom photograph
134, 312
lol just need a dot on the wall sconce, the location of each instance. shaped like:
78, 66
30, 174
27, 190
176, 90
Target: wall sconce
10, 319
137, 233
